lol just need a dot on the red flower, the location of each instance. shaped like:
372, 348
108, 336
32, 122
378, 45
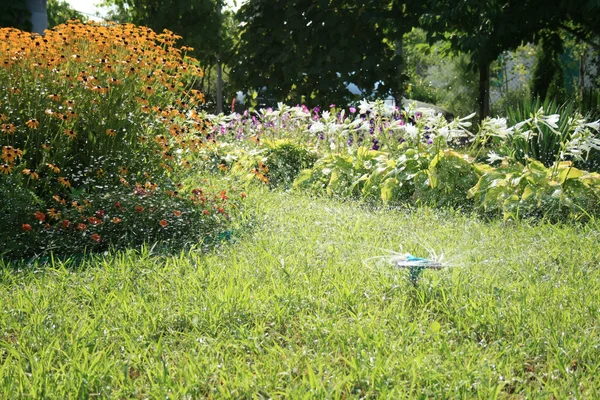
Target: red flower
26, 227
94, 221
40, 216
66, 223
206, 212
118, 205
177, 213
100, 213
96, 238
223, 195
139, 209
81, 227
163, 223
244, 195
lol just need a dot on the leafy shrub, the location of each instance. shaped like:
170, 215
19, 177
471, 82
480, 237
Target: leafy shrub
94, 116
536, 191
340, 174
277, 163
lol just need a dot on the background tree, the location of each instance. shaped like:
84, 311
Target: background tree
548, 76
486, 29
14, 13
60, 12
309, 51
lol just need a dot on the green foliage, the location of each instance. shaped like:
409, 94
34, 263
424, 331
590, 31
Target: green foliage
342, 175
548, 76
15, 14
542, 143
517, 191
276, 164
60, 11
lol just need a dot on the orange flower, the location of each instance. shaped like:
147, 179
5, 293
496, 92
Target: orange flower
223, 195
117, 220
59, 200
66, 223
177, 213
26, 227
30, 173
64, 182
32, 123
52, 213
139, 209
8, 128
40, 216
70, 133
163, 223
54, 168
45, 146
244, 195
111, 132
206, 212
5, 169
81, 227
96, 238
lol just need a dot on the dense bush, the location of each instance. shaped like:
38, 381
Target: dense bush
97, 132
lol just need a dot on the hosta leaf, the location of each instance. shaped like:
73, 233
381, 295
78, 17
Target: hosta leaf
303, 176
569, 173
528, 192
387, 189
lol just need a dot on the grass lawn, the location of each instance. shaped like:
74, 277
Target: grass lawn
297, 306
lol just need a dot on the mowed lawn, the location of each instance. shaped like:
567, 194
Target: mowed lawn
300, 306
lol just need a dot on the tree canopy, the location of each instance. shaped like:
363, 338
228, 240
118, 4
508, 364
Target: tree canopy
309, 51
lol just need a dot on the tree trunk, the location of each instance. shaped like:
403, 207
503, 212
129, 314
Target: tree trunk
484, 91
39, 15
582, 59
398, 90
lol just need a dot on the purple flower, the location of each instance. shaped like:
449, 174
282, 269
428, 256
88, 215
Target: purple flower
352, 110
332, 106
429, 141
375, 145
317, 109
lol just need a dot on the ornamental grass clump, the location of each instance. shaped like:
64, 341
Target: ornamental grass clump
93, 141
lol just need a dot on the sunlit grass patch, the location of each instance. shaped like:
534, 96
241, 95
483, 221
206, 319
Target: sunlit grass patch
295, 307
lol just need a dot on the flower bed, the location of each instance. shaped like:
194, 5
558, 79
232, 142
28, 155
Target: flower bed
97, 129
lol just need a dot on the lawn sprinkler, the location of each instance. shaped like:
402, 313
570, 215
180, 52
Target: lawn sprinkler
415, 265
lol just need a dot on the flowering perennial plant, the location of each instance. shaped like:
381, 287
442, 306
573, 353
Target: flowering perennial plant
97, 130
